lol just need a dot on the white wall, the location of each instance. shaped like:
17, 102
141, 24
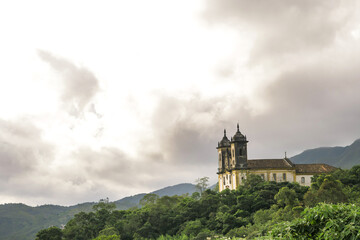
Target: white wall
307, 179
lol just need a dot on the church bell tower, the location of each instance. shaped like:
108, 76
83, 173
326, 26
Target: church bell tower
224, 154
232, 160
239, 150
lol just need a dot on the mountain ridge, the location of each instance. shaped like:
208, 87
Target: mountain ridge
342, 157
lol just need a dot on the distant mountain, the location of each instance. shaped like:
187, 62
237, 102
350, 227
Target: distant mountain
21, 222
343, 157
179, 189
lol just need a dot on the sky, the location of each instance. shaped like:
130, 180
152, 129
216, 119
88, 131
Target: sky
113, 98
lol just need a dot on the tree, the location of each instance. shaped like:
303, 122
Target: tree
325, 189
51, 233
252, 180
104, 204
150, 198
286, 197
325, 221
192, 228
202, 184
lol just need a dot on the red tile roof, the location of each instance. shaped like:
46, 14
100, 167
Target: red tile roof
314, 168
270, 163
285, 163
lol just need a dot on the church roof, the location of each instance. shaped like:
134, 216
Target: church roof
238, 137
314, 168
286, 163
270, 163
225, 141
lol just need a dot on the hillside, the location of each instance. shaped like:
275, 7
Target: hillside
19, 221
343, 157
179, 189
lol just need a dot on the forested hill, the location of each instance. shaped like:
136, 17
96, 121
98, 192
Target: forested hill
19, 221
343, 157
179, 189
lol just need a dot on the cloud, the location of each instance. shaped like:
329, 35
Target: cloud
307, 56
313, 106
303, 62
21, 149
281, 28
80, 85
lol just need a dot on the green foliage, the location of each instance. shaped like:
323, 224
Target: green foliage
252, 211
150, 198
325, 221
202, 184
177, 237
104, 204
110, 231
325, 188
192, 228
286, 197
18, 221
252, 181
110, 237
51, 233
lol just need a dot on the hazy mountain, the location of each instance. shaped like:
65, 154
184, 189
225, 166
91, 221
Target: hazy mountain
179, 189
21, 222
343, 157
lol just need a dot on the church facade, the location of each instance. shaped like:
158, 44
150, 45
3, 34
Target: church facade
234, 166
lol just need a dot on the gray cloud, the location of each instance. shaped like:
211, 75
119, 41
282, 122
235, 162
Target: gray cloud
106, 163
310, 106
283, 27
21, 148
80, 85
313, 106
312, 97
312, 101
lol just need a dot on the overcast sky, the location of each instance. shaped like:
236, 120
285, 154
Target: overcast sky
114, 98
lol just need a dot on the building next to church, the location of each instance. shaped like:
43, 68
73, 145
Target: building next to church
234, 166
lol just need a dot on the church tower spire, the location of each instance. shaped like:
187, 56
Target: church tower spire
239, 149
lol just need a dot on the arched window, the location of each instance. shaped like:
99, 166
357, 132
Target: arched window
302, 179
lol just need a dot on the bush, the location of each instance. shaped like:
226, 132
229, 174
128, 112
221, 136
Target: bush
325, 221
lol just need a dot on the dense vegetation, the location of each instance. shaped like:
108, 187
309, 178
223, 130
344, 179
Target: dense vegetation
19, 221
258, 209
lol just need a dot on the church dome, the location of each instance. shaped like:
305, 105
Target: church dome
238, 136
225, 141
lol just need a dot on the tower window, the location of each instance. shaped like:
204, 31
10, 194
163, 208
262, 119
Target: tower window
284, 176
274, 176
